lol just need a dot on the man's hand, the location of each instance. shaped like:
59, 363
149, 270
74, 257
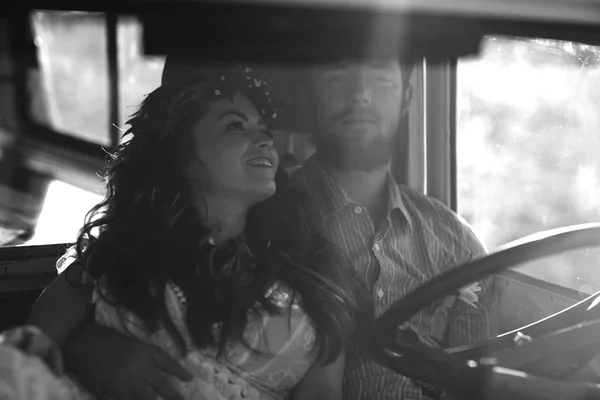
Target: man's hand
110, 364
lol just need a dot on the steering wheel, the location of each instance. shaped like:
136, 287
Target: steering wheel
479, 372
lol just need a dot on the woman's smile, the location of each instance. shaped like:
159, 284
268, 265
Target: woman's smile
260, 162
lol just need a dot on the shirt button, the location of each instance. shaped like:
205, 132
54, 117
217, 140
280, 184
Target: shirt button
376, 247
380, 293
357, 209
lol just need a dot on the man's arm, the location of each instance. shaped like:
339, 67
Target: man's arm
322, 381
63, 306
103, 359
468, 324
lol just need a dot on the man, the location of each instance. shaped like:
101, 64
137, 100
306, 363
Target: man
396, 238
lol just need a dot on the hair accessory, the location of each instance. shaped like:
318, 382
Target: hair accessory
187, 86
265, 87
268, 88
211, 240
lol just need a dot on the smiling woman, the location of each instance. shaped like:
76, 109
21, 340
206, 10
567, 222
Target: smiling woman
235, 162
204, 248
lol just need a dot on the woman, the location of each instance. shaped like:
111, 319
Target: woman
203, 247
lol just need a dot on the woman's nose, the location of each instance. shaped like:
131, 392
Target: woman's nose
264, 138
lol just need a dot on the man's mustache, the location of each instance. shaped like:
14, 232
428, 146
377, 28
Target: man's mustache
360, 114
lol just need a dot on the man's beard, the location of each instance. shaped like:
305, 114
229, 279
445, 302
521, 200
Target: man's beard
344, 153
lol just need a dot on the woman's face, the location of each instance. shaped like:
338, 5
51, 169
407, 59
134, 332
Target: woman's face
235, 157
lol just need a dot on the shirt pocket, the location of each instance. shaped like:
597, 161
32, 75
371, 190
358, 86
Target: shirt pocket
442, 305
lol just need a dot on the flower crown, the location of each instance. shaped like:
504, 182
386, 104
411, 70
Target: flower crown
267, 88
264, 87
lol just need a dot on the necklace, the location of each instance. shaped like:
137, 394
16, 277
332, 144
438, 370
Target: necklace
273, 293
178, 293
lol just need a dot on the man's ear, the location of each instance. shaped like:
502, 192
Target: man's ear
406, 99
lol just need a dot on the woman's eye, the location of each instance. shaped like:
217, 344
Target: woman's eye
235, 126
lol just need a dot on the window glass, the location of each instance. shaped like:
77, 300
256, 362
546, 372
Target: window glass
528, 118
70, 91
139, 74
63, 213
18, 212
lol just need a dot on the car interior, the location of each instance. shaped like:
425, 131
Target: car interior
504, 128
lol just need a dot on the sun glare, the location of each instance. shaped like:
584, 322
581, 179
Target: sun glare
63, 213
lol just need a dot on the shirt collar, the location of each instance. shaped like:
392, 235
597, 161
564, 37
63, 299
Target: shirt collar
331, 197
322, 187
395, 199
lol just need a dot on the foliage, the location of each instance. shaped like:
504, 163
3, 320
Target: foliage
528, 145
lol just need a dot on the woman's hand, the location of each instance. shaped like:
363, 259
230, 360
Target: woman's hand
110, 364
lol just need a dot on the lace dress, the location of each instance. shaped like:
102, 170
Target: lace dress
284, 343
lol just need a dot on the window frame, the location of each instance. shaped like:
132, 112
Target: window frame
432, 140
57, 154
408, 164
50, 138
440, 130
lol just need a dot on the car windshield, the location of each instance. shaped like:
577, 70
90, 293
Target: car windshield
527, 117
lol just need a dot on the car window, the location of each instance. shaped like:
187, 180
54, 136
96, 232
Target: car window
63, 213
70, 91
528, 124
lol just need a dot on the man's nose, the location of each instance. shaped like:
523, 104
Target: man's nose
360, 95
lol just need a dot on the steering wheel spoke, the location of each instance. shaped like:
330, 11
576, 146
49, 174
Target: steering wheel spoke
556, 354
498, 383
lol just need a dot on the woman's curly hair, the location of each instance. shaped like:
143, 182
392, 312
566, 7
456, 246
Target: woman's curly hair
146, 233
